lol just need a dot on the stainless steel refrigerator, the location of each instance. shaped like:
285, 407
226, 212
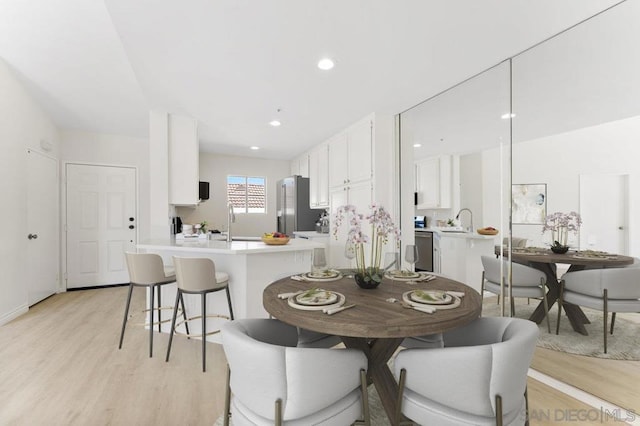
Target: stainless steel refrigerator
293, 211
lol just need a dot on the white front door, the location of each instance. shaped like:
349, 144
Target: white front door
43, 227
101, 224
604, 211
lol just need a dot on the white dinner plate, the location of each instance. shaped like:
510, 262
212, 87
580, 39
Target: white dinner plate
431, 297
339, 302
316, 297
454, 304
328, 275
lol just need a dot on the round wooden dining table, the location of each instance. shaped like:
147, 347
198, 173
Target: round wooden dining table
374, 325
546, 261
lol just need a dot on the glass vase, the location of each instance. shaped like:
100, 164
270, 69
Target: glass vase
560, 235
368, 278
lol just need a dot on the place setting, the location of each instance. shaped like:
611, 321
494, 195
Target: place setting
316, 299
429, 301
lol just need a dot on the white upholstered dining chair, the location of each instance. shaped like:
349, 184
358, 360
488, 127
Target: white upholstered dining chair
525, 282
607, 290
479, 377
271, 381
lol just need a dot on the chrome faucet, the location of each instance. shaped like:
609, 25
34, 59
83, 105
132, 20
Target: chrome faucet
471, 216
231, 218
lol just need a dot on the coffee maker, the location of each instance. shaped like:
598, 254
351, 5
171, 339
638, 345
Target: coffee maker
176, 225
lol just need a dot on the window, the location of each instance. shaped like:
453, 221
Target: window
247, 194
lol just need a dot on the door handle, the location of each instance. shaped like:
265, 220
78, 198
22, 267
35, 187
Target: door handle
32, 236
620, 228
131, 219
131, 226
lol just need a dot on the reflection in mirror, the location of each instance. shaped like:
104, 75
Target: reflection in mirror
455, 170
577, 103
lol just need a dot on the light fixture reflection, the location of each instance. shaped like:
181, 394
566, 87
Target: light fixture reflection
275, 123
417, 145
325, 64
506, 115
255, 148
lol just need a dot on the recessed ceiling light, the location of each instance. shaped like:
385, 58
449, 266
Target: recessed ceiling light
275, 123
507, 115
325, 64
255, 148
417, 145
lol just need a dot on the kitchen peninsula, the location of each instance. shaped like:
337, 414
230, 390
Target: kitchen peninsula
251, 266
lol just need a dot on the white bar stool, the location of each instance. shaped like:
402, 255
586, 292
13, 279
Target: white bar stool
198, 276
147, 270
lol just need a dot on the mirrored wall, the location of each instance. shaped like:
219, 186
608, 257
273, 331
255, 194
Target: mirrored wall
556, 128
577, 129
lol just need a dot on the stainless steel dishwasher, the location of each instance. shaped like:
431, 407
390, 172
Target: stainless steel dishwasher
424, 243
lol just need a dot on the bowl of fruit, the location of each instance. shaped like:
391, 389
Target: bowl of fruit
489, 230
275, 238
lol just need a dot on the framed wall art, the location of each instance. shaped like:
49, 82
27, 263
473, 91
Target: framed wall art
529, 203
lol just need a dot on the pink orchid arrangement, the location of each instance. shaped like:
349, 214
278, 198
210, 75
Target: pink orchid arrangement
382, 228
560, 223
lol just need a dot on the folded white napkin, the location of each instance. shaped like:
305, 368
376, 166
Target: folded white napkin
288, 295
426, 309
298, 278
455, 293
335, 310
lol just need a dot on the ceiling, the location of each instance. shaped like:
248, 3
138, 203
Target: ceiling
235, 65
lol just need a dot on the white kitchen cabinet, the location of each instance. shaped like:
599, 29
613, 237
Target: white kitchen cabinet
300, 166
319, 177
434, 182
183, 161
459, 257
350, 154
359, 195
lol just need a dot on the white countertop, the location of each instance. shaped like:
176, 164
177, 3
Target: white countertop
468, 235
311, 234
223, 247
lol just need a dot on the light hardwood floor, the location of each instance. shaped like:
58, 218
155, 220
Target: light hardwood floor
60, 365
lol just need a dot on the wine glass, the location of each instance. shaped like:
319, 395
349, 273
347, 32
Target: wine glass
319, 262
350, 251
411, 256
392, 259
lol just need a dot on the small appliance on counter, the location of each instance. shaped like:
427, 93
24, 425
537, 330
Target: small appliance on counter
419, 222
322, 225
176, 225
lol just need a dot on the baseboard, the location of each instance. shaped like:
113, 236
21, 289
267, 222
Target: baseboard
5, 318
95, 287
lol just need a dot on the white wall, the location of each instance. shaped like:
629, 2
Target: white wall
112, 150
559, 160
23, 124
215, 169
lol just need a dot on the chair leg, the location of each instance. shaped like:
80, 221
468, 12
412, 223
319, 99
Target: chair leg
203, 297
498, 410
546, 305
184, 314
366, 416
151, 289
513, 305
604, 315
278, 412
403, 378
526, 406
559, 306
227, 399
482, 293
229, 302
159, 289
613, 320
126, 314
173, 323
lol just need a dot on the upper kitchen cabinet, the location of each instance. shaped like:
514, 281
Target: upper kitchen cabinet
300, 166
183, 161
319, 177
350, 154
433, 182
